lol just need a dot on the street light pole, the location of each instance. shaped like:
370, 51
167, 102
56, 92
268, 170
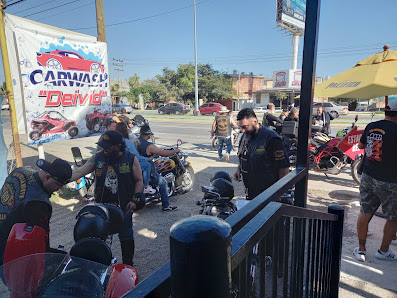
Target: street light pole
197, 111
238, 93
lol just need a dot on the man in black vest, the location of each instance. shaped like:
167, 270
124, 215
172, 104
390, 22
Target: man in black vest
261, 153
25, 197
119, 182
222, 129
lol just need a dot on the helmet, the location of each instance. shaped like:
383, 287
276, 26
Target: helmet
223, 187
92, 221
221, 174
123, 111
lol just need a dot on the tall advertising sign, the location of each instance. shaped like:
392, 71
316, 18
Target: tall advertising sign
290, 78
292, 12
60, 79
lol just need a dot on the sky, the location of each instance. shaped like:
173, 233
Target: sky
231, 34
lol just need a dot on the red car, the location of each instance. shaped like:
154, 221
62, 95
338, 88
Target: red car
52, 122
68, 60
211, 108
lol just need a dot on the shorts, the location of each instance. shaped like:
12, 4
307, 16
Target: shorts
374, 193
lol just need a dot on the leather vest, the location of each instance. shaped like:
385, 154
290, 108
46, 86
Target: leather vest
143, 144
123, 170
256, 163
223, 126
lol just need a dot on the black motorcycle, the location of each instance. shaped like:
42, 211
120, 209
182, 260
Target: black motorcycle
214, 205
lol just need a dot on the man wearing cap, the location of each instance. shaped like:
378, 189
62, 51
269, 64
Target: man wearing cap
379, 182
119, 182
222, 129
148, 149
123, 117
25, 196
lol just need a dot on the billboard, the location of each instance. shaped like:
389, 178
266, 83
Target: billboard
289, 78
60, 80
292, 12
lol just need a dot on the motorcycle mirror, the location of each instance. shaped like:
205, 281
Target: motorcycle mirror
178, 143
356, 118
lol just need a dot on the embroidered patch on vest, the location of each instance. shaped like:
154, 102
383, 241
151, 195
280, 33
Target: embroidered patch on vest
100, 165
124, 168
98, 172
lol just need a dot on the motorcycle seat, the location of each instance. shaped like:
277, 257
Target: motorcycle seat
92, 249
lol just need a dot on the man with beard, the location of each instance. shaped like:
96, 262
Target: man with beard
119, 182
25, 197
261, 153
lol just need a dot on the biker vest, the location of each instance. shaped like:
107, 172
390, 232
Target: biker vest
255, 162
123, 170
223, 126
143, 144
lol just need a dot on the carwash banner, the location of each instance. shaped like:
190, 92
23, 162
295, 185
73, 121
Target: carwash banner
60, 80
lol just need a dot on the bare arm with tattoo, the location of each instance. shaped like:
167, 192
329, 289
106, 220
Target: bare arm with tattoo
87, 168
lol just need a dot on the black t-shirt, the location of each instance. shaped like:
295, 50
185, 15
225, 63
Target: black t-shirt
380, 138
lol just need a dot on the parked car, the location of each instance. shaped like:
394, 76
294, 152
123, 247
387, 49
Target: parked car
211, 108
68, 60
260, 109
332, 108
5, 106
174, 108
119, 106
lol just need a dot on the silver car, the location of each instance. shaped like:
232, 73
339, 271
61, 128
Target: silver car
118, 108
332, 108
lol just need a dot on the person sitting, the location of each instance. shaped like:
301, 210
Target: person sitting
284, 114
293, 115
123, 117
269, 120
144, 162
115, 118
148, 149
322, 119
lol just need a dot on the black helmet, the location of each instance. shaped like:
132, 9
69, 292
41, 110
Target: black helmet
92, 221
221, 174
223, 187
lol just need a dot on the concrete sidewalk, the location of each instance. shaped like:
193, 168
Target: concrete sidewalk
374, 278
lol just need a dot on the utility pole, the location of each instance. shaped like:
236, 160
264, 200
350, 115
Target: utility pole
10, 92
100, 20
197, 111
118, 68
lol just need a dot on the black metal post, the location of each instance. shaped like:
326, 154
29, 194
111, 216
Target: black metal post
200, 248
307, 90
336, 248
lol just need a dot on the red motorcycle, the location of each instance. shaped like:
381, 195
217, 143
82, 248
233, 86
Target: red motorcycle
97, 119
88, 270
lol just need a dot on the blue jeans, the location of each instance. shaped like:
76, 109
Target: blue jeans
162, 183
228, 141
145, 167
126, 231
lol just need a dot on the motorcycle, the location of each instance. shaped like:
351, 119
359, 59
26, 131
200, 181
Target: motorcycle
214, 205
331, 155
236, 133
96, 120
178, 173
88, 270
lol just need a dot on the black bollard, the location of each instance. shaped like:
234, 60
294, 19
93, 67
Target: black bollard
336, 249
200, 258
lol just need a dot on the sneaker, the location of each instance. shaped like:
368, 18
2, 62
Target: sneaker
227, 157
387, 256
169, 208
220, 157
149, 190
360, 255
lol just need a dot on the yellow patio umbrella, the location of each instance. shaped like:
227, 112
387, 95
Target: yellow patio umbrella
372, 77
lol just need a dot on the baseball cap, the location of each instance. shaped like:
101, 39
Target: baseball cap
391, 106
59, 169
145, 130
110, 138
224, 109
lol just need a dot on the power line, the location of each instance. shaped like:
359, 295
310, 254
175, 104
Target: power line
50, 8
34, 6
65, 11
144, 18
16, 2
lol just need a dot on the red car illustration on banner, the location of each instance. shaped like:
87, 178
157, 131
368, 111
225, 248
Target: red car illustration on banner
68, 60
52, 122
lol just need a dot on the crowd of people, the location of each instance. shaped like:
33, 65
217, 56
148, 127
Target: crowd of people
124, 171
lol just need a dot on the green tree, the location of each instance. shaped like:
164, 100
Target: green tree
281, 96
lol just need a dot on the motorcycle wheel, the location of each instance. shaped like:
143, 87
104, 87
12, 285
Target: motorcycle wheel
96, 126
73, 131
35, 135
355, 174
186, 180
